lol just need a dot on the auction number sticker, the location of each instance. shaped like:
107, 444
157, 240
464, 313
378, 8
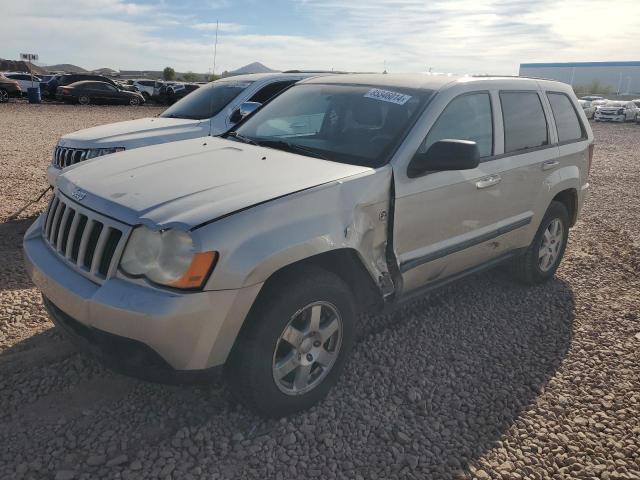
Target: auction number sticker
388, 96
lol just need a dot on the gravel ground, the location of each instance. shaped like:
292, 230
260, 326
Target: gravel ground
485, 379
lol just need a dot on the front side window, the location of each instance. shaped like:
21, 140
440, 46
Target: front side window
355, 124
525, 125
467, 117
207, 101
567, 122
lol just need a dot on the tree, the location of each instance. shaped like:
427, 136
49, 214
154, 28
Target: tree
169, 73
190, 77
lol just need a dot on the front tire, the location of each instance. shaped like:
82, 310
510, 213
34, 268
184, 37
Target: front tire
134, 101
4, 96
542, 258
294, 345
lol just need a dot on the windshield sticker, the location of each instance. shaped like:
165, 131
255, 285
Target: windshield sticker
388, 96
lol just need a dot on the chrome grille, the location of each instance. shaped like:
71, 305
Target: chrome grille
63, 156
87, 241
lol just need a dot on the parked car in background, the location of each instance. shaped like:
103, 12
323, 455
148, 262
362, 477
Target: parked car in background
210, 110
148, 88
254, 254
616, 111
69, 78
637, 102
591, 98
587, 106
92, 92
24, 80
169, 94
8, 88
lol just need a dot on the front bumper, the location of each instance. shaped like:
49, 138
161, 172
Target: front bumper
53, 173
188, 331
610, 118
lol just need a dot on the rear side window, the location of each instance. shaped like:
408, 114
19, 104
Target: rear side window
467, 117
525, 125
271, 90
567, 122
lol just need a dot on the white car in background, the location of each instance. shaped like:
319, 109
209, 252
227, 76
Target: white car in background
617, 111
147, 88
24, 80
587, 106
210, 110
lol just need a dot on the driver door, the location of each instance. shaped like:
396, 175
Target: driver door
446, 222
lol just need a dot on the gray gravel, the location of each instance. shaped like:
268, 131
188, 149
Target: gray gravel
485, 379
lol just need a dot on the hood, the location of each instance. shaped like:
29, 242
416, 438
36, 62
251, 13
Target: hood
136, 133
184, 184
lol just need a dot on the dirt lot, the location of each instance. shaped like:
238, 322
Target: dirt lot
485, 379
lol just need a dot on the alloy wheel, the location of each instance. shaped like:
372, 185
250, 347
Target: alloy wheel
551, 245
83, 100
4, 96
307, 348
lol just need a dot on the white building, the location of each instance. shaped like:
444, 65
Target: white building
620, 77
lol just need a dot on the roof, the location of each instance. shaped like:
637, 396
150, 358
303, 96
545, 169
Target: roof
580, 64
399, 80
254, 77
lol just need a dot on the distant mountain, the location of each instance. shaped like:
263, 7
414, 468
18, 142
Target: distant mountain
66, 67
19, 66
105, 71
255, 67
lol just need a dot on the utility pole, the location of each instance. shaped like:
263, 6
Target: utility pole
215, 48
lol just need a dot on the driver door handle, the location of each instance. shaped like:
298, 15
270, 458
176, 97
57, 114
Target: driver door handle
489, 181
549, 164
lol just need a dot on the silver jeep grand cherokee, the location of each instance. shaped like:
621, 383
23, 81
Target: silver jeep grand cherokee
254, 252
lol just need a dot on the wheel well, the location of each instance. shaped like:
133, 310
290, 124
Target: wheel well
344, 263
569, 198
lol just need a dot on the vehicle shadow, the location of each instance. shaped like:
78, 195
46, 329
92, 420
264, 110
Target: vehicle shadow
427, 391
12, 273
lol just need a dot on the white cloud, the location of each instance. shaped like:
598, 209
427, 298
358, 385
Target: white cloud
222, 27
461, 36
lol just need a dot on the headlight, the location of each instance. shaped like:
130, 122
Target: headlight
166, 258
98, 152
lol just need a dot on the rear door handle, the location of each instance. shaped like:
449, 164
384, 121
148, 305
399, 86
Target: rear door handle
549, 164
489, 181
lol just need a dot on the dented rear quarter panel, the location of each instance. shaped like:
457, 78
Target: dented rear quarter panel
351, 213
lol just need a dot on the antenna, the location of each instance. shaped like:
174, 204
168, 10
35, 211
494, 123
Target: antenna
215, 49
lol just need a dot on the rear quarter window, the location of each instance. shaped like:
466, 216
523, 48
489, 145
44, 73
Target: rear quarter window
525, 125
567, 122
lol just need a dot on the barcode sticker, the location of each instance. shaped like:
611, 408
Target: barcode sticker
388, 96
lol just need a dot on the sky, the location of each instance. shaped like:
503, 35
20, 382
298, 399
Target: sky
450, 36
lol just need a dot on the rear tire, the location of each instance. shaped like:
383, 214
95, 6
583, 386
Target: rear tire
542, 258
84, 100
293, 347
134, 102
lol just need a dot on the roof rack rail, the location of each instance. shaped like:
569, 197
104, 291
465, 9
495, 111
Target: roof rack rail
484, 75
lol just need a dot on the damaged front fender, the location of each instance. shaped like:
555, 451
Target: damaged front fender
351, 213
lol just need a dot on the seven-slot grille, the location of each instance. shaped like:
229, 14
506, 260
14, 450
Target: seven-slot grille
84, 239
63, 156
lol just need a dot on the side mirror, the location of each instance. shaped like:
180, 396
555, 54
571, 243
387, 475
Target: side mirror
445, 155
246, 109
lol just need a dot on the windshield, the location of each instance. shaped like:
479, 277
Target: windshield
360, 125
207, 101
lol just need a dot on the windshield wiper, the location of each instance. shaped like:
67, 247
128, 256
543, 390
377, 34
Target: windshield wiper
237, 136
291, 147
